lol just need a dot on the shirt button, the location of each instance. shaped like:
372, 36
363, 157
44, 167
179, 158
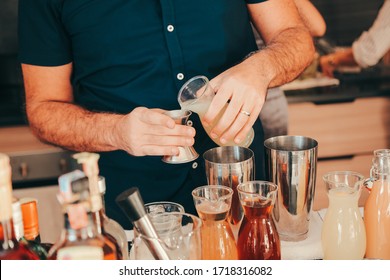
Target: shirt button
180, 76
170, 28
195, 165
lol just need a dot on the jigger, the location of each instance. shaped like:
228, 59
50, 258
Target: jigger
186, 154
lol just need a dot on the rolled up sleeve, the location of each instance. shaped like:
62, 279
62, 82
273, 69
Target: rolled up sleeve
373, 44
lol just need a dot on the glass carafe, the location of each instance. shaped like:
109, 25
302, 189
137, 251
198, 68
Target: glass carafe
179, 234
154, 209
196, 95
377, 208
258, 238
213, 204
343, 233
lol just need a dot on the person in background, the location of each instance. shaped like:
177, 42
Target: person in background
98, 76
367, 50
274, 114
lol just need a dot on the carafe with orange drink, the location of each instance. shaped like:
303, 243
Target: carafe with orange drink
213, 204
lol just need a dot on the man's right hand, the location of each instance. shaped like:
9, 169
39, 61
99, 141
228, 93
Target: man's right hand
150, 132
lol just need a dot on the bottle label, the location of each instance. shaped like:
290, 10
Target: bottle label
80, 253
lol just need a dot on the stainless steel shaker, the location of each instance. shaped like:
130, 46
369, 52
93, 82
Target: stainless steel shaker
229, 166
291, 163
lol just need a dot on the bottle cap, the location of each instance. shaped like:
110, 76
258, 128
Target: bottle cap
29, 208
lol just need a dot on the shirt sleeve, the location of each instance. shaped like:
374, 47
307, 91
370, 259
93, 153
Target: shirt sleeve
42, 37
373, 44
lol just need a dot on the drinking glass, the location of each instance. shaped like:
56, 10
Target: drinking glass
196, 95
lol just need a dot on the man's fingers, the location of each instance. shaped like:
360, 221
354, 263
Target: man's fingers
154, 117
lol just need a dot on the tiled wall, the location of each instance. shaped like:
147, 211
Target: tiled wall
347, 19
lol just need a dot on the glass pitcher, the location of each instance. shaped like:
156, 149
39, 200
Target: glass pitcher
213, 204
179, 234
258, 238
154, 209
377, 208
343, 234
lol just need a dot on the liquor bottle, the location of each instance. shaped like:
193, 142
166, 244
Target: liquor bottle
29, 207
19, 217
10, 247
80, 238
90, 167
112, 227
30, 219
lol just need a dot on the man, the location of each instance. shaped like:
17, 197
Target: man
94, 71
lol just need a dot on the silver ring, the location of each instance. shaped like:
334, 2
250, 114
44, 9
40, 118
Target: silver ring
246, 113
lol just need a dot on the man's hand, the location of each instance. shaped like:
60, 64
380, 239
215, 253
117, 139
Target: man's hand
150, 132
245, 94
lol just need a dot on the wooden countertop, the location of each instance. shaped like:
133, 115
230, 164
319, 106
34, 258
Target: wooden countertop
19, 139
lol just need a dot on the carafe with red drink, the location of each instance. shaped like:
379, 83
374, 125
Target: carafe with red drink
258, 238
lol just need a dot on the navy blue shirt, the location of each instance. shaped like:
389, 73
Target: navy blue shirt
131, 53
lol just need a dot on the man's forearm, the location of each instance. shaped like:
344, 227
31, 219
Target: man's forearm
74, 128
285, 57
